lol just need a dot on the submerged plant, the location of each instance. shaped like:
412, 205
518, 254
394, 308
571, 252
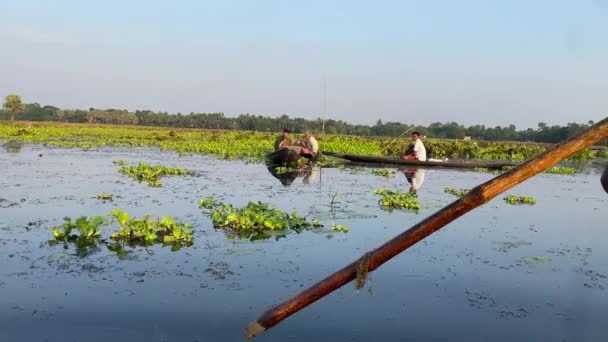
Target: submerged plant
151, 174
513, 200
395, 199
457, 193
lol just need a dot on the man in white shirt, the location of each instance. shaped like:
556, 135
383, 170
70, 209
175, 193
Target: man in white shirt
419, 151
310, 148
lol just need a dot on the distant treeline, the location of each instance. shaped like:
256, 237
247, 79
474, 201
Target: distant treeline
451, 130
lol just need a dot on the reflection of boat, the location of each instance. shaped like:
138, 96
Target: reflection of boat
604, 179
284, 155
286, 178
399, 161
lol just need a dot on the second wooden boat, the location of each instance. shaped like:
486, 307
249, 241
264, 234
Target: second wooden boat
398, 161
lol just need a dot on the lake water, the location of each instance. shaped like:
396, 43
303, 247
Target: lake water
500, 273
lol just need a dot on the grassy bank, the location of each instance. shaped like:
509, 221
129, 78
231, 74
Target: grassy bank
253, 145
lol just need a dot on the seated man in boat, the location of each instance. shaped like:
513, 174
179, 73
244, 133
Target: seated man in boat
310, 147
283, 140
418, 152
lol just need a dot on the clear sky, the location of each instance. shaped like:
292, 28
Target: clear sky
488, 62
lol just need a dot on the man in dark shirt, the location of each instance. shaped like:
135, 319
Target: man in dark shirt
283, 140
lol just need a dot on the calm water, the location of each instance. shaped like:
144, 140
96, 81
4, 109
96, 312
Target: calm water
474, 281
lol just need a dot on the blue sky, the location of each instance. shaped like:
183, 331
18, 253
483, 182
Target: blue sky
488, 62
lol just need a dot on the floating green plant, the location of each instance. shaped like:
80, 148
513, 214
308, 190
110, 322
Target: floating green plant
151, 174
455, 192
395, 199
207, 203
86, 234
257, 220
339, 228
388, 173
562, 170
513, 200
104, 196
148, 231
119, 162
83, 233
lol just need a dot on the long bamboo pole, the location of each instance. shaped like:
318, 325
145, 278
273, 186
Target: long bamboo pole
475, 198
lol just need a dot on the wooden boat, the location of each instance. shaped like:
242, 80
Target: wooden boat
283, 155
399, 161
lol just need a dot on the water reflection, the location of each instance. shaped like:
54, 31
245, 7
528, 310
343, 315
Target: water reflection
604, 179
286, 178
415, 177
309, 172
12, 147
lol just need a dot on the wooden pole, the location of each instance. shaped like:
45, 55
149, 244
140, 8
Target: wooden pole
476, 197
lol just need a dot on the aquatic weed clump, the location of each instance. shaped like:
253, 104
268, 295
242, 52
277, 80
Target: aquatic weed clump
148, 231
456, 192
513, 200
388, 173
395, 199
258, 221
151, 174
86, 234
561, 170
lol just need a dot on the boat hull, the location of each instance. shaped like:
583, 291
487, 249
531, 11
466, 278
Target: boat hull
283, 155
399, 161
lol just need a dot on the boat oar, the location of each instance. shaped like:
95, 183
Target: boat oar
476, 197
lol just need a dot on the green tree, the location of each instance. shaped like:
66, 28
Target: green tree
13, 104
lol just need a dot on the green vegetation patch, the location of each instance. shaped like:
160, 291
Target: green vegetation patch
255, 145
388, 173
395, 199
86, 233
562, 170
455, 192
148, 231
104, 196
257, 221
513, 200
152, 174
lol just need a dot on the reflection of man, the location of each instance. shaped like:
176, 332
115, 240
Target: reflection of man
311, 174
283, 140
415, 177
604, 179
418, 151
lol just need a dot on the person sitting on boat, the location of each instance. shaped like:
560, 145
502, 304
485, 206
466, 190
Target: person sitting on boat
283, 140
310, 147
418, 152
